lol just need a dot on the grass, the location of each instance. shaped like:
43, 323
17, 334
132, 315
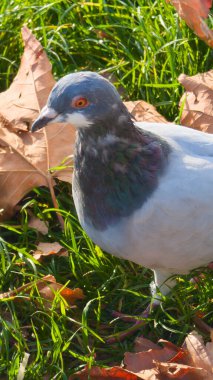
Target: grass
146, 46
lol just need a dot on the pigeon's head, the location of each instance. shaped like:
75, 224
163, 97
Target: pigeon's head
83, 99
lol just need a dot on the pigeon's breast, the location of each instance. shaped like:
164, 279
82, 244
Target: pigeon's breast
115, 177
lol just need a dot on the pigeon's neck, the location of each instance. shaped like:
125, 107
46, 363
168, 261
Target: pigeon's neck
118, 123
116, 172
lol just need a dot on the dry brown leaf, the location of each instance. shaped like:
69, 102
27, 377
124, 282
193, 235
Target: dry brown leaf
157, 363
194, 12
25, 158
28, 93
201, 356
38, 224
97, 373
140, 361
197, 102
169, 362
47, 288
144, 344
143, 111
176, 371
162, 371
47, 249
49, 291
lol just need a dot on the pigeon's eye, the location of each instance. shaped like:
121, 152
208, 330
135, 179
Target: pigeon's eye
80, 102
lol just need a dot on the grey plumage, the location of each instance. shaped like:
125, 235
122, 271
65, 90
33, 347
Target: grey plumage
142, 191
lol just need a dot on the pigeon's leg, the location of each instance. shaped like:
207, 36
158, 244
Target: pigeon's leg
162, 282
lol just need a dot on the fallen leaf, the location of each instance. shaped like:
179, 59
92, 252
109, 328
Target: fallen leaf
143, 111
157, 363
47, 249
201, 7
180, 371
97, 373
169, 362
201, 356
143, 344
139, 361
28, 93
197, 101
38, 224
49, 291
194, 12
47, 287
26, 159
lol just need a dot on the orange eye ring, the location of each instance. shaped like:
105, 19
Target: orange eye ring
80, 102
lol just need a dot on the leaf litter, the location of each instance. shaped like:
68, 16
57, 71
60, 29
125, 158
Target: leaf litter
197, 102
194, 13
143, 111
38, 225
47, 249
47, 287
26, 159
192, 361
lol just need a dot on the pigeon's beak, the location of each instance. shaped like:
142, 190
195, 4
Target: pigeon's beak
47, 116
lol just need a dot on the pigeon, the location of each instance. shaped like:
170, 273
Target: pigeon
142, 191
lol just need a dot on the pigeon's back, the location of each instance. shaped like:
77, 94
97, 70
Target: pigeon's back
183, 138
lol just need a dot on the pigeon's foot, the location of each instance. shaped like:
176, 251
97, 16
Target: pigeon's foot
138, 322
162, 282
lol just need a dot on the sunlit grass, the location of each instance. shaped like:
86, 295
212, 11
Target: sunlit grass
62, 340
146, 46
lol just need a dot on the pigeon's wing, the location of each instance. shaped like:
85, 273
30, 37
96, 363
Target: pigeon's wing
172, 231
187, 139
